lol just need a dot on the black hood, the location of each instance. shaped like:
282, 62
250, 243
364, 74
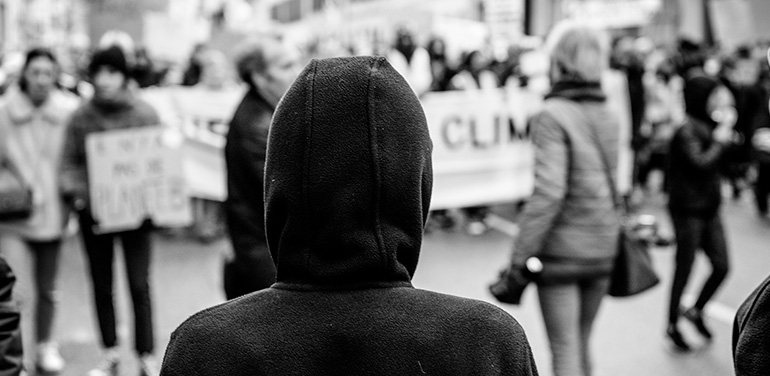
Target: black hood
696, 93
348, 176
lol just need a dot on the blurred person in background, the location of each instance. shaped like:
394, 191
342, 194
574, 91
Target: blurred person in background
474, 73
33, 117
348, 183
509, 70
411, 61
689, 59
192, 73
694, 196
627, 59
145, 72
740, 73
268, 68
441, 71
114, 106
570, 221
760, 145
660, 120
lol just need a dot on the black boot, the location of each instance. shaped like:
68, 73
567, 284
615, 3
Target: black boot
695, 316
676, 337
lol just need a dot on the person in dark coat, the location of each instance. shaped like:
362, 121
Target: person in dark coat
695, 196
268, 68
114, 106
751, 333
348, 185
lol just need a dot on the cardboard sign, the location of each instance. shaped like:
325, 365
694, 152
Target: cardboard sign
136, 174
202, 115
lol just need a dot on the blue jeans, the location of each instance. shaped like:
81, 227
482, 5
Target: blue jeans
569, 311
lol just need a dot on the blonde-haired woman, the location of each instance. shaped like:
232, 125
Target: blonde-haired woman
570, 222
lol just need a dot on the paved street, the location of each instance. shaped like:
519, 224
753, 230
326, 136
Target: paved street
628, 336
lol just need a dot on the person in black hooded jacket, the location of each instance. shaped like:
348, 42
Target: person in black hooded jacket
694, 189
347, 190
751, 333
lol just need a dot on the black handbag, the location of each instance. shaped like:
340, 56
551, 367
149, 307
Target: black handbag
510, 285
633, 272
15, 196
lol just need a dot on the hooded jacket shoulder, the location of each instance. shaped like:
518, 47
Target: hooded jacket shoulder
751, 333
347, 191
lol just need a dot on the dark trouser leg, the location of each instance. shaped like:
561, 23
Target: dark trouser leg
688, 232
137, 247
100, 251
46, 259
715, 247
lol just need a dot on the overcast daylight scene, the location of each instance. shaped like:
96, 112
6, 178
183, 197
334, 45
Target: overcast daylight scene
385, 187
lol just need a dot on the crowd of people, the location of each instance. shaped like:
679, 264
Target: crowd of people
294, 210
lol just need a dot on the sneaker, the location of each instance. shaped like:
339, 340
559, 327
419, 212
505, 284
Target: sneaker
107, 367
676, 337
695, 316
148, 366
48, 358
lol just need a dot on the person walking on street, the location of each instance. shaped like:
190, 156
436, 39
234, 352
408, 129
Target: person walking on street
570, 222
33, 117
348, 183
113, 106
268, 68
695, 196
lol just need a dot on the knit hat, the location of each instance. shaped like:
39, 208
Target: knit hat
697, 90
112, 57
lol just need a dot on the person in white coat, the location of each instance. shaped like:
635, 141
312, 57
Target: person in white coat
32, 126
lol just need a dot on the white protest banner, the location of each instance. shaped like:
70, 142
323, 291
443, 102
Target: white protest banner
202, 114
136, 174
481, 149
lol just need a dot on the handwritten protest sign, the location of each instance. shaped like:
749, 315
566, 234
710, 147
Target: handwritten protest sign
136, 174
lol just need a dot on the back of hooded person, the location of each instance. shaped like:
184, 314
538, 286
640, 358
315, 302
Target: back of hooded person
347, 191
751, 333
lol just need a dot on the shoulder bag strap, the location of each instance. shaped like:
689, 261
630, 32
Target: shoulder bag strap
555, 106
